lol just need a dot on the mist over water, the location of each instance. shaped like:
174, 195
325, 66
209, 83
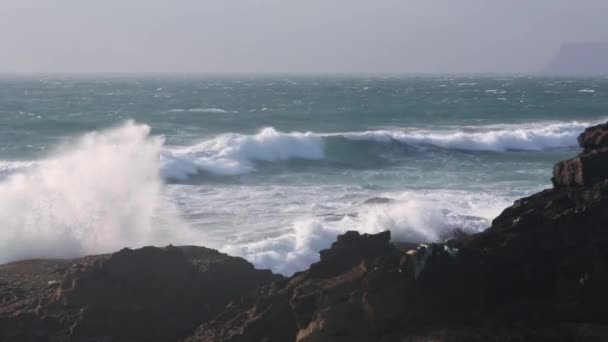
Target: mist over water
273, 169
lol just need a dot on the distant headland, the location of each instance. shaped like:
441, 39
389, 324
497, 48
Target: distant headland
584, 59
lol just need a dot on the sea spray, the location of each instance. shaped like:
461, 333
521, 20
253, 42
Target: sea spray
99, 195
411, 217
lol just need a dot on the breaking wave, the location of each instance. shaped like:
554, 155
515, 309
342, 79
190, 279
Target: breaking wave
233, 154
411, 217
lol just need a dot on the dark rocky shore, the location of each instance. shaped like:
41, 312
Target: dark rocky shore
539, 273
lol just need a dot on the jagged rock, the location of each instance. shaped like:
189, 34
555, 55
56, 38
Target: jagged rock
588, 167
547, 256
349, 250
584, 169
595, 137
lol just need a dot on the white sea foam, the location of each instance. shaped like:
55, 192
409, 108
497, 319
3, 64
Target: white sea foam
102, 194
495, 91
413, 217
586, 91
208, 110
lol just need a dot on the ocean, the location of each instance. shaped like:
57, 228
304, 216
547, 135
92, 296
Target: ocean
272, 168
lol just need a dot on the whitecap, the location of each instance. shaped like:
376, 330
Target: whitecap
208, 110
230, 154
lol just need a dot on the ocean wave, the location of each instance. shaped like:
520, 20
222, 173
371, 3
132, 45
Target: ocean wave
230, 154
234, 154
531, 137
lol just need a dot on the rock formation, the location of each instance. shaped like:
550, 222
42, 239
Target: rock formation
148, 294
539, 273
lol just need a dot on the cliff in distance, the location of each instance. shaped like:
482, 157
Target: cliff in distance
539, 273
579, 59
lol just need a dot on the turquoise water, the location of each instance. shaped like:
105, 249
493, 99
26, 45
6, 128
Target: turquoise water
272, 168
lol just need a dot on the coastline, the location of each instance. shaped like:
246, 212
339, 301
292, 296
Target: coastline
538, 273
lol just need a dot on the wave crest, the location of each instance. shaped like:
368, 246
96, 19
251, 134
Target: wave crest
234, 154
536, 137
230, 154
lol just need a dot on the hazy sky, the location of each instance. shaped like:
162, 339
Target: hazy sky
292, 35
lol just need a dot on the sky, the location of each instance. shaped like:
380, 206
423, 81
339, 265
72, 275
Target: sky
297, 36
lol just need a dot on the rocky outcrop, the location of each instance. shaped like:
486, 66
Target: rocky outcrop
539, 273
588, 167
148, 294
595, 137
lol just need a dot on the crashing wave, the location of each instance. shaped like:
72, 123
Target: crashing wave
99, 195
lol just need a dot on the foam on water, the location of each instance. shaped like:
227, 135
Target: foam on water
202, 110
414, 217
